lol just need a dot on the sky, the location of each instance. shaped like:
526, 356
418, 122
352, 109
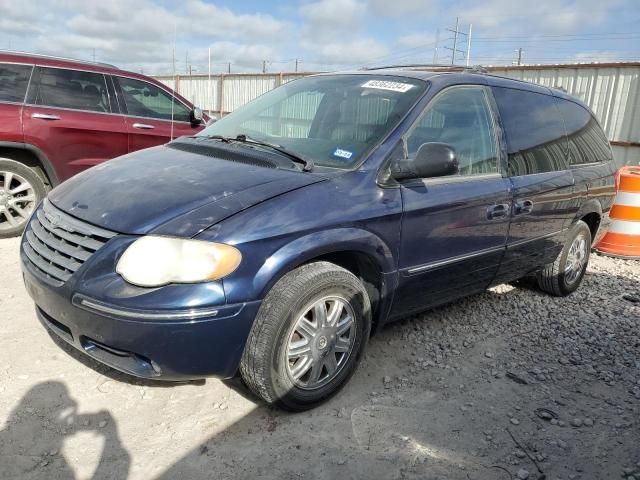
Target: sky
142, 35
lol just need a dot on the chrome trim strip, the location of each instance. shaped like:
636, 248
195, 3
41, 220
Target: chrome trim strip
529, 240
441, 263
80, 226
33, 105
142, 315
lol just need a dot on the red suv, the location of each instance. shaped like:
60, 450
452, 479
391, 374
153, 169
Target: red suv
59, 117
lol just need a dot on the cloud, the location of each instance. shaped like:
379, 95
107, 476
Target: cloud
333, 14
136, 33
402, 7
353, 53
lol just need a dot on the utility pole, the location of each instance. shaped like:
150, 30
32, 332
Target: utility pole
519, 56
469, 45
209, 85
435, 52
455, 43
456, 35
296, 64
264, 66
229, 68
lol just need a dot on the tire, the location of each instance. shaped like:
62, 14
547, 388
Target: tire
18, 199
267, 367
558, 278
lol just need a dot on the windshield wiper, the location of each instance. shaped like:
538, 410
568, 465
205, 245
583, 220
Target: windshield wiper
296, 157
243, 138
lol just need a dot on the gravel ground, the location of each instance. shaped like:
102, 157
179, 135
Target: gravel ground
503, 385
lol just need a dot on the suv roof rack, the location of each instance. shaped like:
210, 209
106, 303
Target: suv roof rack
54, 57
438, 66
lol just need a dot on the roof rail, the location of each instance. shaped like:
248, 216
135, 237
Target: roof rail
410, 65
438, 66
54, 57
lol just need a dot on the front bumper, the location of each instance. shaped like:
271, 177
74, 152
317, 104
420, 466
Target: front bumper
183, 345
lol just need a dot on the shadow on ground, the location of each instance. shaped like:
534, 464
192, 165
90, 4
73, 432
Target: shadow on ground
32, 441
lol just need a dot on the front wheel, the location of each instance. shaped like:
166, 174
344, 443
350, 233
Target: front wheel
565, 274
308, 337
21, 189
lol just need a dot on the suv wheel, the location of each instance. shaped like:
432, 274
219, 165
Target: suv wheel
564, 276
308, 336
21, 189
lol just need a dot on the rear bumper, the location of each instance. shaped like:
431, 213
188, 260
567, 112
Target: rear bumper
181, 345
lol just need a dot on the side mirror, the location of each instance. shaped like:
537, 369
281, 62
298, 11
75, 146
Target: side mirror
432, 160
211, 121
196, 116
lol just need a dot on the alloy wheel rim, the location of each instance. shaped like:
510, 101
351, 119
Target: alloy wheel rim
17, 200
576, 259
320, 342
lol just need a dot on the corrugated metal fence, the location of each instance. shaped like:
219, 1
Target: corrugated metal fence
611, 90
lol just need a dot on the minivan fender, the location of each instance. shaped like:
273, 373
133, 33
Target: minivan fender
313, 245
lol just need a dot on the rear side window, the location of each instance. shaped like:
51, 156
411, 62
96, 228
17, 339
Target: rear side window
587, 141
146, 100
536, 140
13, 82
56, 87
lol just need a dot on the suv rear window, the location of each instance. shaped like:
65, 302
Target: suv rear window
56, 87
587, 141
536, 140
13, 82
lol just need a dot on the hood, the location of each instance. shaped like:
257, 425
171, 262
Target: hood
167, 191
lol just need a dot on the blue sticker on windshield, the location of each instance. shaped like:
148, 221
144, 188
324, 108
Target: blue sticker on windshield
346, 154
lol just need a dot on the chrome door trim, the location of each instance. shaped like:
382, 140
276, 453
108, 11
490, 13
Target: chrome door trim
441, 263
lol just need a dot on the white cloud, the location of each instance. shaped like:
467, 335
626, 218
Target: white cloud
353, 53
403, 7
334, 14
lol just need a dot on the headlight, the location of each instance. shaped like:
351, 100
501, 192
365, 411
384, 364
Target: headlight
155, 261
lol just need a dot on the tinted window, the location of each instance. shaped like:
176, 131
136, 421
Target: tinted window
587, 141
13, 82
535, 133
146, 100
54, 87
461, 118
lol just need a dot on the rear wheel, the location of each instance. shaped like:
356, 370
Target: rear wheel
21, 189
564, 276
308, 336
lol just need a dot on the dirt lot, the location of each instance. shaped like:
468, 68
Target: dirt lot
451, 394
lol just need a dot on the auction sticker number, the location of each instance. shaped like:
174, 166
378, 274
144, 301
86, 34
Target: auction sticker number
387, 85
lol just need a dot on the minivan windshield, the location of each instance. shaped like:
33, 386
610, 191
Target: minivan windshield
334, 120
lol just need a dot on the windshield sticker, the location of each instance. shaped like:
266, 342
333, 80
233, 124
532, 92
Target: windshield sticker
346, 154
387, 85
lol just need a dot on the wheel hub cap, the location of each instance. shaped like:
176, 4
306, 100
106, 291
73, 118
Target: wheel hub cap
320, 342
576, 259
17, 200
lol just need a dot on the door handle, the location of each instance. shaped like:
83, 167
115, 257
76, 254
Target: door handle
498, 211
523, 207
45, 116
143, 126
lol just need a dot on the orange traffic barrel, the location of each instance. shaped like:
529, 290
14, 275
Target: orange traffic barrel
623, 235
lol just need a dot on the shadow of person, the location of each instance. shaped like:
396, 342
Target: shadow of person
32, 439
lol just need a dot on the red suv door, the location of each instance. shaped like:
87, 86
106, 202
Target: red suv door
72, 118
154, 116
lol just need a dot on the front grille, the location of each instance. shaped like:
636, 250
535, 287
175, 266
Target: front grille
57, 244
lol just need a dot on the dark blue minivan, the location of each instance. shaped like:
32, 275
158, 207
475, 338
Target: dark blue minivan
271, 244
